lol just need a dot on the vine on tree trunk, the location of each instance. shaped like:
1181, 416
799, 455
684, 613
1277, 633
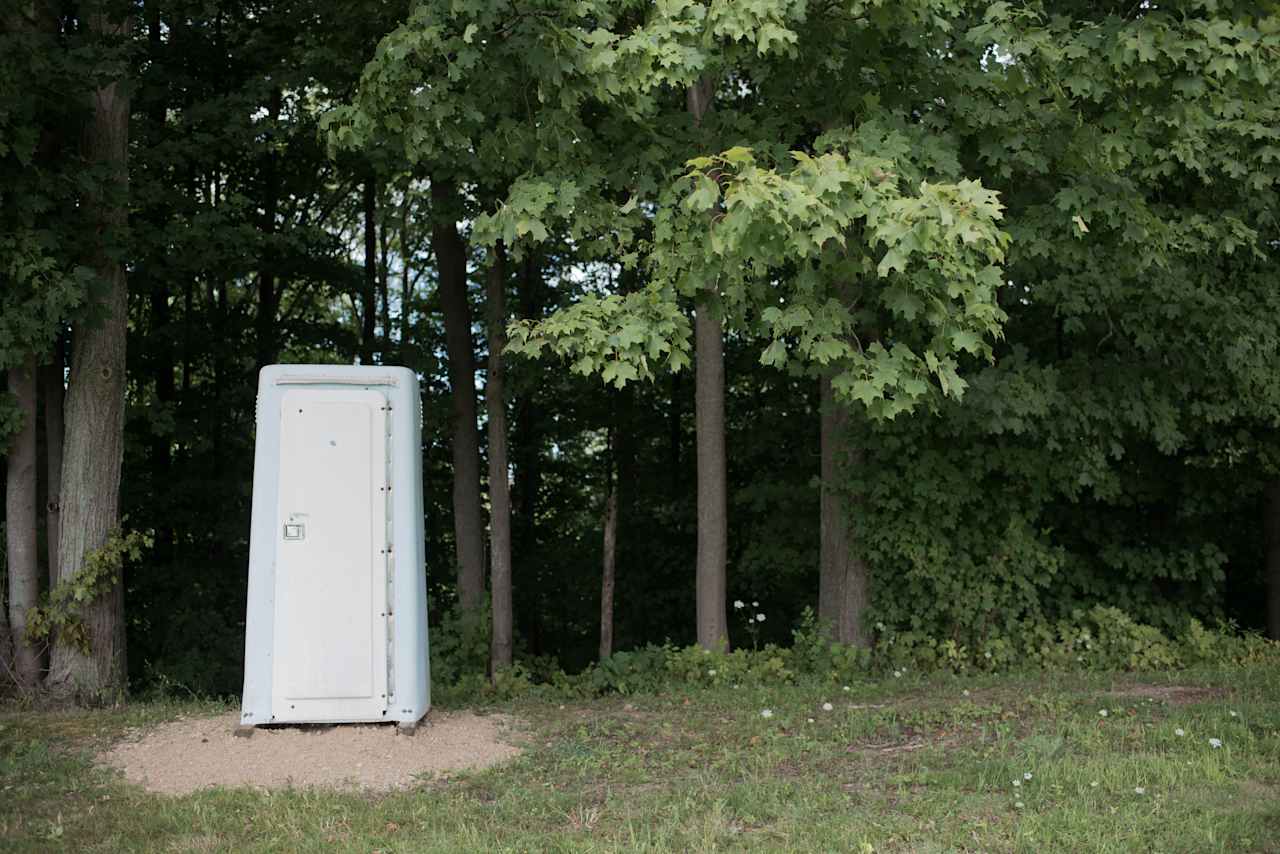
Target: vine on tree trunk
60, 609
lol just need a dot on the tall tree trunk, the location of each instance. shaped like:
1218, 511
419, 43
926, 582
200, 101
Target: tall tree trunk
713, 536
622, 493
609, 570
675, 434
6, 639
526, 456
95, 406
451, 263
499, 487
1271, 529
52, 392
384, 289
161, 342
161, 441
268, 297
406, 269
21, 550
368, 296
842, 574
713, 539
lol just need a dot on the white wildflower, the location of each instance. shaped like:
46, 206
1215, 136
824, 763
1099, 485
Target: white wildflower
767, 713
755, 604
965, 692
845, 688
810, 720
1234, 715
1102, 712
1138, 790
826, 707
738, 605
1215, 743
711, 672
897, 674
1179, 732
1094, 784
1026, 775
1017, 783
1019, 804
759, 618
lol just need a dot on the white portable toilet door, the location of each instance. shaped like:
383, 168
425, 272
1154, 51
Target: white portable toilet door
331, 654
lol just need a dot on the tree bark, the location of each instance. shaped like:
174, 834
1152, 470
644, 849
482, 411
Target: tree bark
52, 392
384, 288
368, 296
609, 570
526, 455
499, 486
713, 539
1271, 529
21, 551
268, 297
95, 406
406, 281
842, 574
451, 263
160, 344
622, 488
6, 640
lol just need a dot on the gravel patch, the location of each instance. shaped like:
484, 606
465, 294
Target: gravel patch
185, 755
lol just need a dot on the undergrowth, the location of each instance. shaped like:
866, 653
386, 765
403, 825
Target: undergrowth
1099, 639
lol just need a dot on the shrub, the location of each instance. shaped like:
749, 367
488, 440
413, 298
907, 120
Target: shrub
1099, 638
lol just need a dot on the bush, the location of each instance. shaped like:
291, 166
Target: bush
1099, 639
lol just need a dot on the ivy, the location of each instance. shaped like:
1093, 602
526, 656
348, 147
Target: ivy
60, 610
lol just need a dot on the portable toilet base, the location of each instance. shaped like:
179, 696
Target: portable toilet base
336, 621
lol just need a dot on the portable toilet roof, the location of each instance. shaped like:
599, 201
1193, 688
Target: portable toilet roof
336, 621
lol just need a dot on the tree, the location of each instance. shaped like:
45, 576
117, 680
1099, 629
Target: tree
713, 521
369, 292
609, 565
843, 594
20, 525
499, 482
95, 407
1137, 286
41, 234
1271, 529
51, 392
468, 520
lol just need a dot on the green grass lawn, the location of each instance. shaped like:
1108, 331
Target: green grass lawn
899, 765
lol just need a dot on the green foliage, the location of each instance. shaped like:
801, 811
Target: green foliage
694, 665
618, 337
775, 255
639, 671
60, 609
1101, 639
460, 648
45, 278
1064, 213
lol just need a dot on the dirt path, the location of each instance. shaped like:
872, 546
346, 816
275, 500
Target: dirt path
189, 754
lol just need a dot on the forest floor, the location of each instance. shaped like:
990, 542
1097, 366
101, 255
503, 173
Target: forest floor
1185, 761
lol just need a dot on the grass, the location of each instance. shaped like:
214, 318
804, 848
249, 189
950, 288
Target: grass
911, 764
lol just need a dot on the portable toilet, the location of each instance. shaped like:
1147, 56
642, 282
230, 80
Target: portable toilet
336, 622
